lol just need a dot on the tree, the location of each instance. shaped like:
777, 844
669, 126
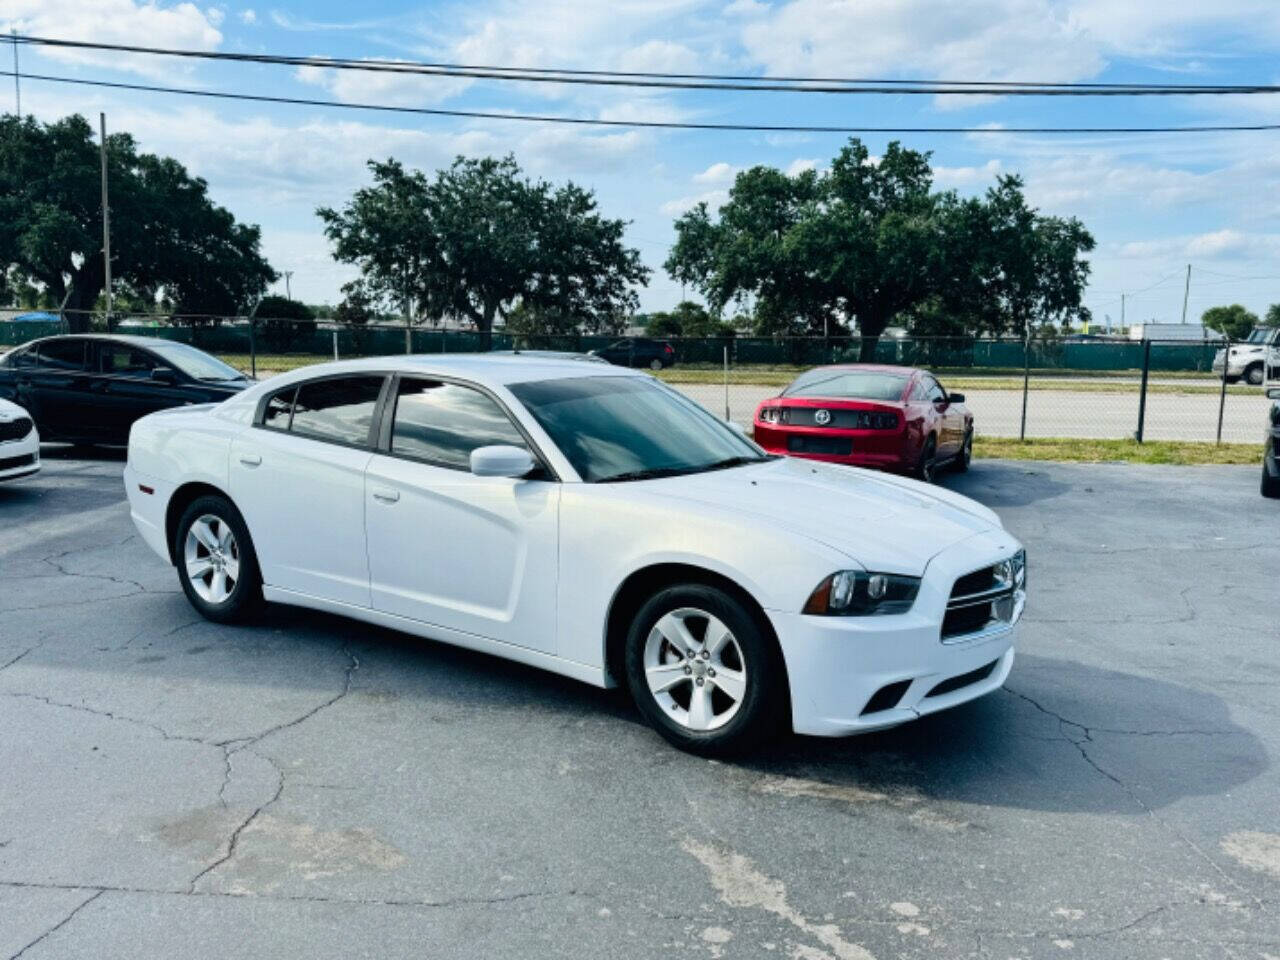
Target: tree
168, 239
1273, 315
870, 243
480, 239
688, 319
1233, 322
284, 322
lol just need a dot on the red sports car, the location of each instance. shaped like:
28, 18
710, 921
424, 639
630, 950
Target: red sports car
890, 418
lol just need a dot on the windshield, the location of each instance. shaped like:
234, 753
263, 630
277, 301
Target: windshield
631, 428
853, 384
194, 363
1259, 335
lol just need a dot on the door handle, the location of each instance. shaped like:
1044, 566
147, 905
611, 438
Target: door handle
250, 459
385, 494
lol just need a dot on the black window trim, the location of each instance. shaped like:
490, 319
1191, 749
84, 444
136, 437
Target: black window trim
543, 471
375, 425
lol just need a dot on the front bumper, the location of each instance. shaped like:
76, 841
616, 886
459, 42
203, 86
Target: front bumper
837, 665
20, 458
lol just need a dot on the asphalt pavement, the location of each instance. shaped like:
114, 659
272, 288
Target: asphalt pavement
312, 787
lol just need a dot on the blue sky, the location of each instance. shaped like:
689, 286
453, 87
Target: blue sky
1154, 203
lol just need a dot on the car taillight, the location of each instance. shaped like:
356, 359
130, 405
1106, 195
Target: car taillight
669, 348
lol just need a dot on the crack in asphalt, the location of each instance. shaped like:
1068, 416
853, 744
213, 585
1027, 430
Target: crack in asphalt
244, 825
6, 666
1129, 791
59, 925
109, 715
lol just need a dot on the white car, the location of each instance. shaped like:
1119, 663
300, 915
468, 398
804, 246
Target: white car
1252, 359
592, 521
19, 442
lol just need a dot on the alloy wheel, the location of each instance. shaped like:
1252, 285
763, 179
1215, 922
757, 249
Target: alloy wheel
212, 558
695, 669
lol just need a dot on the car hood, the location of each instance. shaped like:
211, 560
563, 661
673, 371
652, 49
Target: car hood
885, 523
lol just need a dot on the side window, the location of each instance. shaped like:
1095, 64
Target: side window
65, 355
21, 359
935, 391
443, 422
275, 414
125, 361
338, 409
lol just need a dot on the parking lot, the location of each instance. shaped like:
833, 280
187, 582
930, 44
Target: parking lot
313, 787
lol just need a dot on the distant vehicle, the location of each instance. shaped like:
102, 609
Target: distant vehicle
36, 317
1271, 449
548, 355
891, 418
590, 521
638, 352
91, 388
1173, 331
1249, 360
19, 442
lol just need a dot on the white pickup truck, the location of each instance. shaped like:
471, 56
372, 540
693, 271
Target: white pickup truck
1252, 360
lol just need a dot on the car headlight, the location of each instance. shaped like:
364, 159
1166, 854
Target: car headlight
858, 593
1012, 572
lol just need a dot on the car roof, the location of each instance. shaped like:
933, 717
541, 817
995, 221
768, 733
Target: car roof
872, 368
478, 367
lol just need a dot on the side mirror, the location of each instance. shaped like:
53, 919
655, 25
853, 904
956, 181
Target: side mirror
956, 397
164, 374
500, 460
1274, 393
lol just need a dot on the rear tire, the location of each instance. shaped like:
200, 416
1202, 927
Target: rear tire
656, 364
217, 565
965, 456
704, 673
924, 470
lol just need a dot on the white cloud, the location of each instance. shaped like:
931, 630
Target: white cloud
745, 8
961, 177
1224, 244
248, 17
396, 89
182, 25
660, 56
717, 173
801, 164
712, 198
215, 15
1177, 27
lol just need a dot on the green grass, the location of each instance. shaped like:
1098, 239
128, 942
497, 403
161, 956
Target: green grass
1072, 450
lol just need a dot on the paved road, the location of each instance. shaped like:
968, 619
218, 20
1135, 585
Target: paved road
1060, 413
314, 788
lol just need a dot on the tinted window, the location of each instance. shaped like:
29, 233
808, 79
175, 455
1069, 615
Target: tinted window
444, 422
852, 384
125, 361
934, 390
195, 363
21, 358
339, 409
627, 428
62, 354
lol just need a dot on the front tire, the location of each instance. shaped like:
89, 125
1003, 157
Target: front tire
217, 566
1270, 484
1254, 375
704, 673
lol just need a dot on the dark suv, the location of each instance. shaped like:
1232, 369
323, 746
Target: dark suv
1271, 450
638, 352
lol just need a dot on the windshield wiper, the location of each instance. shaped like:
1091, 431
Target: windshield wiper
732, 462
649, 473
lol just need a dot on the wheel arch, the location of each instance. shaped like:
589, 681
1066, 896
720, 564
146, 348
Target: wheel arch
643, 583
182, 498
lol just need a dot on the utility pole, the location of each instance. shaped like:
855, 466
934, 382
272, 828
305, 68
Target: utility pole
287, 274
1186, 290
17, 88
106, 213
1122, 296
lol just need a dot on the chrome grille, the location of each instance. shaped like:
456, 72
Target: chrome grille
14, 429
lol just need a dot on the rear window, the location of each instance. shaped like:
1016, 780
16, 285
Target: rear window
62, 354
848, 384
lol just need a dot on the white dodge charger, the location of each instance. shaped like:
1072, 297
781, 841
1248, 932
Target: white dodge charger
591, 521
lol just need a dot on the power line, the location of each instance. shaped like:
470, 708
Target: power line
640, 124
686, 81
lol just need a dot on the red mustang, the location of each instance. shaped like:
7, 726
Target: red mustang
890, 418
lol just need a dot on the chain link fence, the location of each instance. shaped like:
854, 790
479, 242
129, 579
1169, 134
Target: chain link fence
1051, 388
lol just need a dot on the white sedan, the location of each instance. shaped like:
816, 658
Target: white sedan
588, 520
19, 442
